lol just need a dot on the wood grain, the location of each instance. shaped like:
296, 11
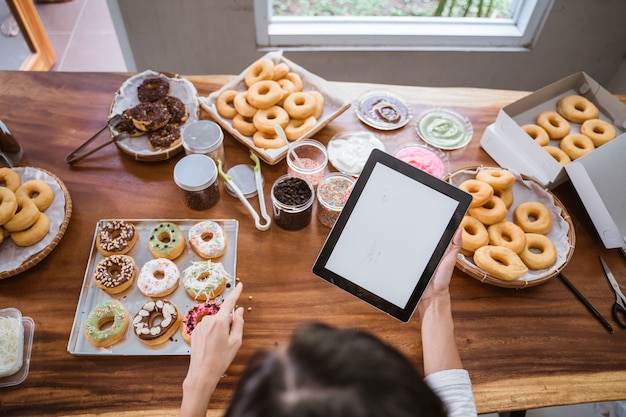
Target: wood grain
524, 349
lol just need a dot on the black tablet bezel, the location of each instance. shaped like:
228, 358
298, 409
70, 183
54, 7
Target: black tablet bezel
462, 198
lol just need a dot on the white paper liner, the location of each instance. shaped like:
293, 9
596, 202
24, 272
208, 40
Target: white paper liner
13, 256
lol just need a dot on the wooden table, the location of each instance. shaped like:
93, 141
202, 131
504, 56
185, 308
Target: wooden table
524, 349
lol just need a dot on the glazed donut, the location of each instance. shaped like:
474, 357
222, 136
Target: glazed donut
39, 191
280, 71
599, 131
500, 261
9, 179
538, 134
177, 109
156, 321
576, 108
106, 324
25, 216
149, 117
505, 195
205, 280
262, 69
296, 80
267, 140
116, 237
166, 137
299, 105
319, 103
533, 217
474, 234
166, 240
264, 94
480, 191
225, 104
560, 156
208, 239
296, 128
153, 89
34, 233
265, 120
158, 278
194, 315
8, 205
115, 274
499, 179
493, 211
554, 124
576, 145
244, 125
242, 105
539, 251
507, 234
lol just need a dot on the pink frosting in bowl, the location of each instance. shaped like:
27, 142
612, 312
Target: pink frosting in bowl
424, 158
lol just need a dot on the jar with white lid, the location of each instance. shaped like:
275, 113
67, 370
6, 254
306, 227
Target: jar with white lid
307, 159
204, 137
196, 176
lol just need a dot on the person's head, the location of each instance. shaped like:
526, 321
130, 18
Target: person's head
330, 372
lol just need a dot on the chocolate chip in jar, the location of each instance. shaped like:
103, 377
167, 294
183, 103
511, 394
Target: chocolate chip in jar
292, 200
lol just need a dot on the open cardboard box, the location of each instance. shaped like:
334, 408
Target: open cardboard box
512, 148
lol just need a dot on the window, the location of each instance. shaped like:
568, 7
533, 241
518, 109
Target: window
517, 32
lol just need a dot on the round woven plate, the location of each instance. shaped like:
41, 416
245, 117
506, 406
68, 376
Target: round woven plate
38, 255
562, 233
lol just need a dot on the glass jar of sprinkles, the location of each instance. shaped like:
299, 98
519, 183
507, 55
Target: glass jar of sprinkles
332, 193
204, 137
311, 161
196, 176
292, 202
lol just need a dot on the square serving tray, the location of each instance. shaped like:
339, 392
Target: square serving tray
133, 299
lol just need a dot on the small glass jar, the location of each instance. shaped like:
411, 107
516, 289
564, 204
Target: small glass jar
196, 176
426, 158
332, 193
204, 137
311, 163
292, 202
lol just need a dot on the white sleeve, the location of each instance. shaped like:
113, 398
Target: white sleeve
454, 388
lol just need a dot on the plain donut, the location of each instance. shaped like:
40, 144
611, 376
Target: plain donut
538, 134
599, 131
474, 234
499, 179
9, 178
507, 234
265, 120
560, 156
539, 251
533, 217
576, 108
576, 145
480, 191
264, 94
493, 211
553, 123
262, 69
501, 262
225, 104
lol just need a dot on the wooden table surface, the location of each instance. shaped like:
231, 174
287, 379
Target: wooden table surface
524, 349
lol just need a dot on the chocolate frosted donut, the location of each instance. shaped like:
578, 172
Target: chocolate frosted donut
164, 137
149, 117
178, 110
126, 125
153, 89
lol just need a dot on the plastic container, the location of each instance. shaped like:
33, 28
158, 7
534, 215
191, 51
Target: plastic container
311, 163
292, 202
204, 137
20, 330
196, 176
426, 158
332, 193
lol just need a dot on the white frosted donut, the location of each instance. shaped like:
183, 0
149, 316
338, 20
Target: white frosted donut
208, 239
205, 280
158, 277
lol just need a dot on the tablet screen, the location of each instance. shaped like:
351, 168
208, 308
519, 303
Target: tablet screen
391, 234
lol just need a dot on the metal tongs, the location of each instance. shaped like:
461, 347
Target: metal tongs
259, 186
76, 155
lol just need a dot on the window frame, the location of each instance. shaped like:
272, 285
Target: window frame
401, 33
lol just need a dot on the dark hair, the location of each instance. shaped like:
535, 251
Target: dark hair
330, 372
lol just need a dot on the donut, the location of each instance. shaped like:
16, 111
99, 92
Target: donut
25, 216
156, 321
319, 103
493, 211
153, 89
267, 140
576, 145
576, 108
264, 94
149, 117
296, 128
194, 315
205, 280
262, 69
34, 233
507, 234
116, 237
225, 104
244, 125
296, 80
533, 217
177, 109
8, 205
538, 134
480, 191
265, 119
560, 156
9, 178
554, 124
539, 251
39, 191
166, 137
158, 278
280, 71
474, 234
299, 105
166, 240
599, 131
126, 125
242, 106
287, 86
499, 179
505, 195
208, 239
106, 324
500, 261
115, 274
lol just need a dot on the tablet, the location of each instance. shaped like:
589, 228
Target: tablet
391, 234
